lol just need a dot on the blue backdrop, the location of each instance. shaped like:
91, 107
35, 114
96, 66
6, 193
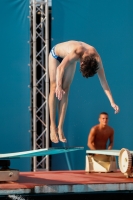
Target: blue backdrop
14, 80
108, 26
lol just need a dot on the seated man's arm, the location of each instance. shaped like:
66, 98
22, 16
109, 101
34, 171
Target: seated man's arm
91, 139
111, 140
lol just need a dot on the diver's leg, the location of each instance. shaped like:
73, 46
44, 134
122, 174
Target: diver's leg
67, 80
53, 64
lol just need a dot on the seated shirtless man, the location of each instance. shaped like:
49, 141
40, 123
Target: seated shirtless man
62, 63
100, 134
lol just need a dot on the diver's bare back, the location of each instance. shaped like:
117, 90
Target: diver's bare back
64, 48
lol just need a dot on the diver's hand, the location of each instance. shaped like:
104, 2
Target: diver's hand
59, 92
116, 108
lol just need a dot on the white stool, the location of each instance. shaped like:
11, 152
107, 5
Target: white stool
100, 163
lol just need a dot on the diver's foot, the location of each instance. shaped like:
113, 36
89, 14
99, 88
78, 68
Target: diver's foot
53, 135
61, 135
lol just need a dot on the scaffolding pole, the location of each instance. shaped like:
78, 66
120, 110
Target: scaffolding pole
47, 78
39, 18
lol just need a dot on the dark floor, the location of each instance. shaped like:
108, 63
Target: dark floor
123, 195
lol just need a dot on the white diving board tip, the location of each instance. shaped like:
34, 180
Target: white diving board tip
111, 152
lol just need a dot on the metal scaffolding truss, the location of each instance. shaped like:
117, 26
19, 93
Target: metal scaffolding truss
39, 42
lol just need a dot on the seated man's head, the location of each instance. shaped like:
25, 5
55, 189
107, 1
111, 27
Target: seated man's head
103, 118
88, 66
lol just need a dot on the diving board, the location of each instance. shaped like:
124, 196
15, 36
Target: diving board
104, 152
7, 174
39, 152
103, 160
